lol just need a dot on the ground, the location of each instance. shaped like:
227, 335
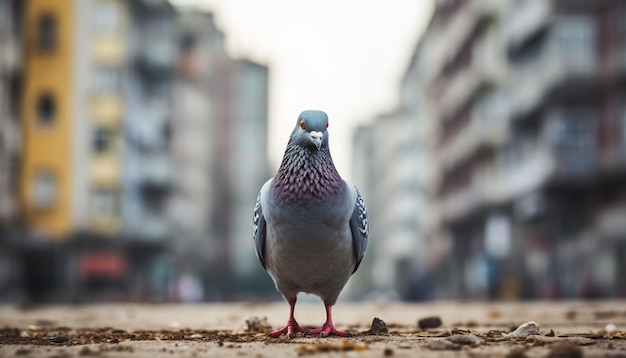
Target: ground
468, 329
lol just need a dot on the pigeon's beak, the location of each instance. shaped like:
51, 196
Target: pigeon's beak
316, 138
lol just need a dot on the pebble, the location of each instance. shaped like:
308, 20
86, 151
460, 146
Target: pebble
60, 339
378, 326
429, 322
529, 328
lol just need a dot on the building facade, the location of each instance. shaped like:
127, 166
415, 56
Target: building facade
528, 101
10, 95
95, 123
522, 107
132, 148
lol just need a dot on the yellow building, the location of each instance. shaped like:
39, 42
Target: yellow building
74, 53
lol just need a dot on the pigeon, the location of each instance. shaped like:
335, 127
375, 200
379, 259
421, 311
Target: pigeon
310, 226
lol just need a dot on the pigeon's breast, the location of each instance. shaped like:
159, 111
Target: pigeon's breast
309, 247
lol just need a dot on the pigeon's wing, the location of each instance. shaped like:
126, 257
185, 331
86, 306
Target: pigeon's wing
259, 229
359, 228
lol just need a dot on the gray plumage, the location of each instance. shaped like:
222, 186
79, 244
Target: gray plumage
310, 226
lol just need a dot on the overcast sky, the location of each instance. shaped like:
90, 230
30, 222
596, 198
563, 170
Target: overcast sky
345, 57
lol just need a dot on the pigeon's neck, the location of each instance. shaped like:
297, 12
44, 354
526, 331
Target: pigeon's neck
306, 175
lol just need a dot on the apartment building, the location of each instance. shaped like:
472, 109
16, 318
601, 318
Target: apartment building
522, 106
394, 172
529, 106
566, 106
10, 76
148, 177
93, 156
220, 149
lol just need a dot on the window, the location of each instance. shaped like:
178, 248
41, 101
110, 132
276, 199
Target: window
575, 38
576, 132
47, 33
107, 17
103, 202
44, 190
574, 135
106, 80
46, 109
102, 140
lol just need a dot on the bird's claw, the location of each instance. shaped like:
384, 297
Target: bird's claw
329, 329
291, 329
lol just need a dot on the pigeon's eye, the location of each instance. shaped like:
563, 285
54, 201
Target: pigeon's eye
326, 124
302, 125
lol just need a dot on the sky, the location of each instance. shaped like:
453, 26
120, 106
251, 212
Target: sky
345, 57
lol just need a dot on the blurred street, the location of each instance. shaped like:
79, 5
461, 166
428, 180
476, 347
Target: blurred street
594, 329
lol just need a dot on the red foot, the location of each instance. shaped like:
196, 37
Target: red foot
327, 329
291, 329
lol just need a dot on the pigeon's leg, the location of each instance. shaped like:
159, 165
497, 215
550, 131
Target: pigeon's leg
329, 328
292, 326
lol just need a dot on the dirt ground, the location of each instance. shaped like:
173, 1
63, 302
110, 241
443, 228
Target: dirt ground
454, 329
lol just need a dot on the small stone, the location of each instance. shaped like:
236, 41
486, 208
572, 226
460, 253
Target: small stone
610, 328
550, 334
378, 327
60, 339
388, 352
529, 328
429, 322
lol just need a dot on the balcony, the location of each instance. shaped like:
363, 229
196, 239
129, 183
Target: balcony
155, 171
489, 118
464, 23
486, 70
494, 183
482, 9
156, 57
523, 19
488, 188
488, 128
555, 72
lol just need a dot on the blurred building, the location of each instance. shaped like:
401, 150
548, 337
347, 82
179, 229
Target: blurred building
394, 199
524, 102
468, 98
220, 145
391, 154
566, 199
201, 47
148, 172
248, 165
94, 170
10, 80
139, 150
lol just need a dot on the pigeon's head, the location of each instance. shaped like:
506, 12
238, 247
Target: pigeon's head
310, 130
